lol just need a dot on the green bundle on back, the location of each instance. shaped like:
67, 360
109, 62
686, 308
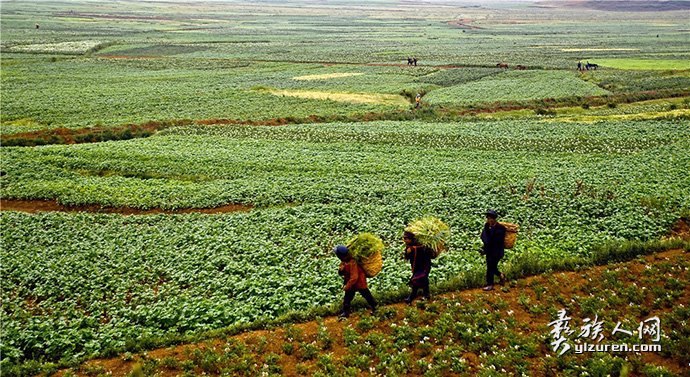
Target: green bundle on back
366, 249
430, 232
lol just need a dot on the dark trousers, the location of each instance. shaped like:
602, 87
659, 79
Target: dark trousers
492, 269
349, 295
415, 290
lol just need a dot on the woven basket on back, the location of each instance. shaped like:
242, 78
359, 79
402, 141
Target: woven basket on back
372, 265
511, 234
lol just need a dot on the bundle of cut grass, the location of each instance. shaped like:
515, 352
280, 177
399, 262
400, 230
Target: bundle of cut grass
366, 249
430, 232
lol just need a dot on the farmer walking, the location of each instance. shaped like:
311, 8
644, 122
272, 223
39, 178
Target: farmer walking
420, 259
417, 101
355, 280
493, 238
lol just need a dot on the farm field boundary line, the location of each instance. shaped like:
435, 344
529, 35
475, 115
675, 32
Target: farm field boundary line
334, 63
402, 65
36, 206
433, 113
325, 63
513, 295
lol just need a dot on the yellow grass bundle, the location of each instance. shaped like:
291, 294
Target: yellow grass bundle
366, 249
430, 232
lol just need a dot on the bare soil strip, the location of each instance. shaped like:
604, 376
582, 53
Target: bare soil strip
38, 206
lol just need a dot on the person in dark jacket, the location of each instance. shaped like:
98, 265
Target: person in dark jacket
355, 280
493, 236
420, 259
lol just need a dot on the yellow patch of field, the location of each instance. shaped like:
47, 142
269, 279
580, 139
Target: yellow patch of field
598, 49
327, 76
645, 64
578, 114
671, 114
23, 122
388, 99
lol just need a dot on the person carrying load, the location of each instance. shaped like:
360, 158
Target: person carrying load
424, 240
355, 280
496, 237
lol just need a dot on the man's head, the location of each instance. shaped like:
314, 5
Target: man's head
408, 238
341, 252
491, 217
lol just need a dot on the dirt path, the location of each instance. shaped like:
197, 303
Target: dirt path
37, 206
570, 285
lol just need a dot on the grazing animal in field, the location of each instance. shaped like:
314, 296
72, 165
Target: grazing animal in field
520, 67
591, 66
502, 65
409, 61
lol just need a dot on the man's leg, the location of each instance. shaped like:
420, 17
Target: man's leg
368, 296
501, 276
349, 295
412, 295
491, 270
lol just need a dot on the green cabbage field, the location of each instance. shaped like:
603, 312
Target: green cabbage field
302, 114
81, 284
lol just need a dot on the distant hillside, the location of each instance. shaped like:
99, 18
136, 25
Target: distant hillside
623, 5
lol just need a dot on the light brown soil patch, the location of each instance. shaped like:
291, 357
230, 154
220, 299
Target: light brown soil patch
37, 206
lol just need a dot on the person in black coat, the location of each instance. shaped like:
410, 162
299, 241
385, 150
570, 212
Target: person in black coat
493, 237
420, 259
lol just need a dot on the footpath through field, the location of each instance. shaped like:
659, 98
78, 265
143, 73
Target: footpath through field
466, 333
